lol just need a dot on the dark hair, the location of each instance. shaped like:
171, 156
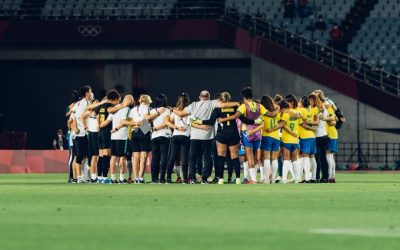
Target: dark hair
278, 98
161, 101
74, 96
305, 101
283, 104
291, 99
268, 103
247, 93
83, 90
183, 101
113, 95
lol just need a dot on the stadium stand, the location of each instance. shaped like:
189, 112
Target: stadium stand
378, 39
332, 11
85, 9
9, 7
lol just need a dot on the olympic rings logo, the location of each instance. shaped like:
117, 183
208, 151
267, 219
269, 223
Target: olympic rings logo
89, 30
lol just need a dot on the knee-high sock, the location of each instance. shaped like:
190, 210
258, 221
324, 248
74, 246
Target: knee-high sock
313, 167
274, 170
106, 166
178, 170
236, 167
331, 164
246, 169
291, 171
285, 170
85, 168
267, 166
296, 170
262, 173
253, 174
220, 166
301, 166
100, 166
306, 165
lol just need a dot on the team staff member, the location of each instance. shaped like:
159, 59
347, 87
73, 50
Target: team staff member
139, 117
308, 147
104, 136
80, 142
180, 142
160, 138
270, 140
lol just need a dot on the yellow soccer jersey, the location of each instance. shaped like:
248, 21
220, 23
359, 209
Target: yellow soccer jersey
253, 107
270, 123
307, 114
331, 129
293, 124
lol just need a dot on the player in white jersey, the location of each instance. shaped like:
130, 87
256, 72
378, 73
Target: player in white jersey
119, 136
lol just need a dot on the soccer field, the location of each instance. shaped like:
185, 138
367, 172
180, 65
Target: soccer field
362, 211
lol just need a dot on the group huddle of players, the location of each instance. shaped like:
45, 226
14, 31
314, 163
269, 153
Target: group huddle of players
285, 139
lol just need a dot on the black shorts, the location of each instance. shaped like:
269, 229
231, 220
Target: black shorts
118, 148
229, 138
81, 148
104, 139
93, 140
141, 142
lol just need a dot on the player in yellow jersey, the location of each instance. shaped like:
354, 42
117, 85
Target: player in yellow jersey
332, 143
290, 138
308, 145
270, 141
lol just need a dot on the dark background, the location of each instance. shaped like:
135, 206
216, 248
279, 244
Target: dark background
35, 94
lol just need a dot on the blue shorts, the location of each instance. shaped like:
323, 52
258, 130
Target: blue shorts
270, 144
308, 146
255, 145
242, 152
333, 145
290, 146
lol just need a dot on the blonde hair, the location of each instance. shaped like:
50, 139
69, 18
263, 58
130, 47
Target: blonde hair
225, 97
146, 99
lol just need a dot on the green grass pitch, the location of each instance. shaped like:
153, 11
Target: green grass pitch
361, 211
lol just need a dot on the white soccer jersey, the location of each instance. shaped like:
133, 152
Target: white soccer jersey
165, 132
122, 133
80, 108
181, 122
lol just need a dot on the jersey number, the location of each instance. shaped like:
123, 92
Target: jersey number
228, 122
272, 123
291, 125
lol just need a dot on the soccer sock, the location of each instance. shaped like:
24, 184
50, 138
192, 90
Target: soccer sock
285, 170
100, 166
296, 170
129, 167
253, 174
306, 165
106, 165
93, 176
85, 170
246, 169
262, 173
220, 166
236, 166
267, 166
333, 166
290, 169
121, 177
113, 177
274, 167
300, 162
330, 164
313, 167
